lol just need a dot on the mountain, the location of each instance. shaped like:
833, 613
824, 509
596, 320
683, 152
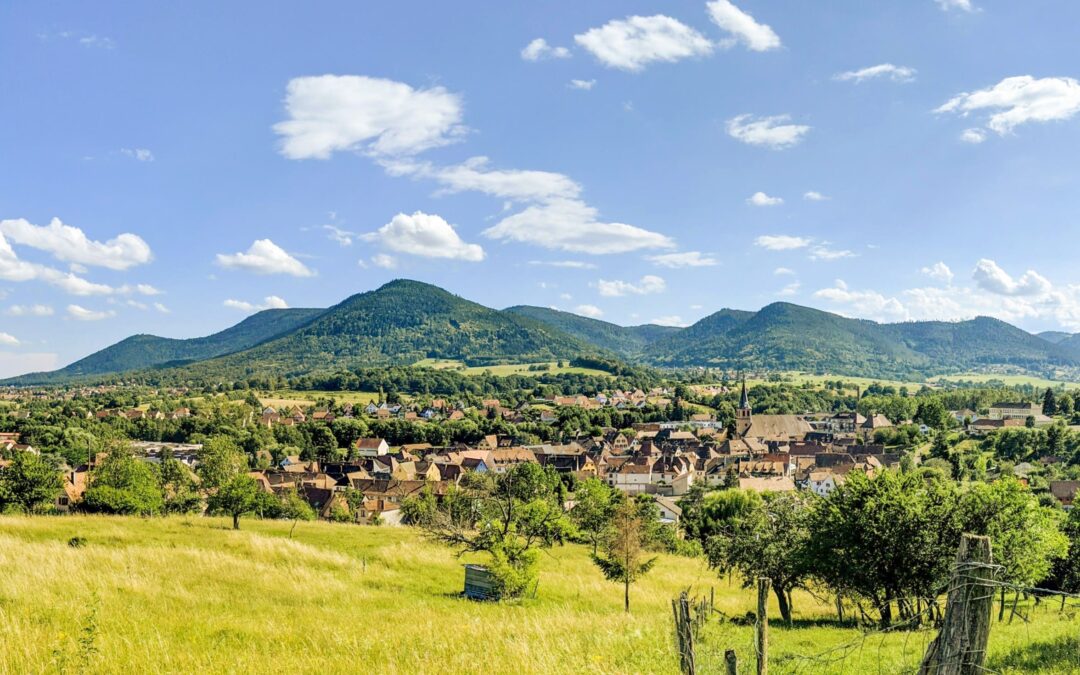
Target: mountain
1054, 336
401, 323
628, 341
404, 322
145, 351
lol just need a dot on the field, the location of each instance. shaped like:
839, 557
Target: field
190, 595
1010, 380
508, 369
304, 399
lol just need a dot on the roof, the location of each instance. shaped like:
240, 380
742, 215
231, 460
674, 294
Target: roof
778, 427
770, 484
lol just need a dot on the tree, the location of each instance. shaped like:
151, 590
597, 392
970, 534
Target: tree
766, 539
220, 460
125, 485
593, 509
240, 495
29, 483
508, 516
1049, 402
623, 551
932, 413
178, 486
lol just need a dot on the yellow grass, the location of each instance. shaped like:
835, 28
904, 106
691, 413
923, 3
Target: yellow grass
184, 595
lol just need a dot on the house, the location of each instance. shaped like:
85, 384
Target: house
822, 483
1014, 410
670, 512
770, 484
371, 447
507, 458
1065, 491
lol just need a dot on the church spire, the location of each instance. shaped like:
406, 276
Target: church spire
744, 401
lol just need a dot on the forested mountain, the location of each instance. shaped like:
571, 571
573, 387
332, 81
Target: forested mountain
628, 341
145, 351
404, 322
1054, 336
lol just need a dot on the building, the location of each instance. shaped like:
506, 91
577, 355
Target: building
1014, 411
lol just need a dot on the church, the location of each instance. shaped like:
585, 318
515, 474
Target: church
767, 427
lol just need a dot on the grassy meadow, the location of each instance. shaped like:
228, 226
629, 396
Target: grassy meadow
507, 369
190, 595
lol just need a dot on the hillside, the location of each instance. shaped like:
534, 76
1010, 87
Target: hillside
404, 322
146, 351
330, 597
1054, 336
627, 341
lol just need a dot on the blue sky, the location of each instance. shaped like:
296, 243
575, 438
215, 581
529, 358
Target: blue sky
169, 169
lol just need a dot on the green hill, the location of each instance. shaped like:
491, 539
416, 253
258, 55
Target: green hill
624, 340
404, 322
145, 351
1054, 336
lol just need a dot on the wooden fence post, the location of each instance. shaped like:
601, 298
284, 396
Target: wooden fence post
763, 584
684, 633
960, 647
732, 662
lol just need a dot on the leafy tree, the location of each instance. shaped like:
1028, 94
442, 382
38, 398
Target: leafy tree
1049, 402
238, 496
623, 560
765, 538
932, 413
28, 484
125, 485
220, 460
178, 486
717, 513
594, 507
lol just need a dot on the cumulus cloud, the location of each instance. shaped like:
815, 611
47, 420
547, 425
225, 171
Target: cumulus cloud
990, 277
882, 70
789, 289
973, 136
30, 310
336, 234
265, 257
784, 271
329, 113
584, 85
14, 269
1019, 100
572, 225
83, 314
742, 27
425, 235
569, 264
814, 196
782, 242
636, 41
670, 320
939, 271
685, 259
269, 302
70, 244
868, 304
539, 49
827, 253
591, 311
762, 199
139, 154
648, 285
771, 132
961, 5
8, 339
383, 260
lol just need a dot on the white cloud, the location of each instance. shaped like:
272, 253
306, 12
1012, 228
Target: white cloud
82, 314
71, 244
670, 320
771, 132
387, 262
584, 85
883, 70
140, 154
29, 310
973, 136
782, 242
14, 269
962, 5
161, 308
648, 285
814, 196
329, 113
762, 199
539, 49
591, 311
864, 304
990, 277
8, 339
828, 254
572, 225
425, 235
939, 271
685, 259
636, 41
97, 41
473, 175
269, 302
342, 237
789, 289
265, 257
569, 264
743, 28
784, 271
1019, 100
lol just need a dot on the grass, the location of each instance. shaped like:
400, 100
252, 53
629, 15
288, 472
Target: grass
304, 399
190, 595
1009, 380
507, 369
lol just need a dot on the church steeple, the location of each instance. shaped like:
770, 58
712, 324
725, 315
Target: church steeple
744, 401
744, 415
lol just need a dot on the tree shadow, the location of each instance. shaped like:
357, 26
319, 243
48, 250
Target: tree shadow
1049, 656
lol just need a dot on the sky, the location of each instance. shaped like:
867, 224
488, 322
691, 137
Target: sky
171, 168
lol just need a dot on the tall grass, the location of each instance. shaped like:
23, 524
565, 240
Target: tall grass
190, 595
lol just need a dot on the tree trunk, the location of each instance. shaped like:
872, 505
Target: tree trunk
626, 594
782, 600
885, 610
1001, 609
236, 521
